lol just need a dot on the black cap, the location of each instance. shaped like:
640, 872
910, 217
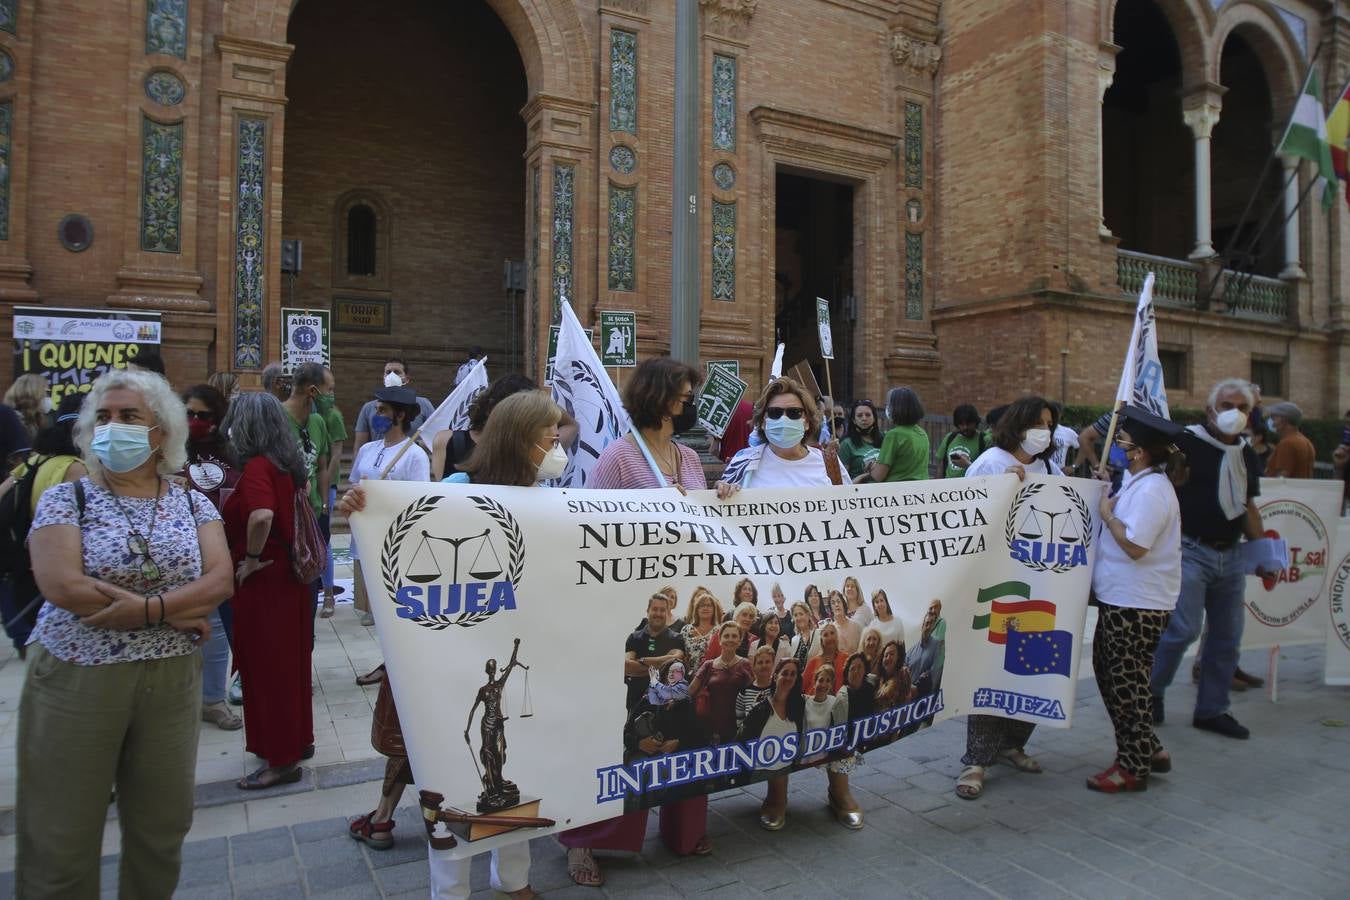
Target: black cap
401, 395
1146, 428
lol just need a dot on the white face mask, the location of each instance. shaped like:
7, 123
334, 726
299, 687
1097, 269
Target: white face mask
46, 405
1231, 421
393, 379
1035, 442
553, 463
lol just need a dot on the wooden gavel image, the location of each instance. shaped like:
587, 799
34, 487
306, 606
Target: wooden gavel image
432, 813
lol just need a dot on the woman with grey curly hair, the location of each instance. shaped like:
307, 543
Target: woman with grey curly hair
272, 620
130, 565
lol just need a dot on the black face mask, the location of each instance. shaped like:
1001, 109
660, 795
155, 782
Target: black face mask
839, 425
687, 418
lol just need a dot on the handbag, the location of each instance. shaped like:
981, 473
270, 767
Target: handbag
308, 550
386, 734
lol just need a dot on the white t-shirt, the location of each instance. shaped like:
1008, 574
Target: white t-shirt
774, 471
816, 715
1064, 439
778, 728
894, 630
996, 461
373, 456
1148, 507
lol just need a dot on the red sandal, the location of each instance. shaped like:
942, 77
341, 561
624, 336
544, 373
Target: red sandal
375, 835
1116, 780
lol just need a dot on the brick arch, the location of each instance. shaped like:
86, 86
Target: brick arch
1271, 41
1192, 22
548, 34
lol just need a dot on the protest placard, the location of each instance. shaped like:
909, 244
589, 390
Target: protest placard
618, 339
72, 347
305, 337
717, 400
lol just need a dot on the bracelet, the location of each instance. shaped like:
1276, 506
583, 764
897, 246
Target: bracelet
248, 555
161, 608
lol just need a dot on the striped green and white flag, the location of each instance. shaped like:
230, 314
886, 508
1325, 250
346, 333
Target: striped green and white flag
1307, 135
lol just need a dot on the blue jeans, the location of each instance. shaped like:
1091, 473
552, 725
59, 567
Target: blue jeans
215, 661
1212, 585
328, 565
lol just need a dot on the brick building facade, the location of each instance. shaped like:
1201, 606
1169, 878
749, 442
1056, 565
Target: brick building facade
976, 186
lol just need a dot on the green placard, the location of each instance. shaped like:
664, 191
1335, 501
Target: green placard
618, 339
823, 323
305, 337
553, 332
730, 366
718, 400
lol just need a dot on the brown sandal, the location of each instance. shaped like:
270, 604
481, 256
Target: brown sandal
586, 872
268, 777
374, 676
970, 784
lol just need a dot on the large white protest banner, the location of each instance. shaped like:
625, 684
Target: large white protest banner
1337, 666
506, 614
1291, 608
582, 387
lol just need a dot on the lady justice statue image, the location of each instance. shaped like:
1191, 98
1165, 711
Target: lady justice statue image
498, 793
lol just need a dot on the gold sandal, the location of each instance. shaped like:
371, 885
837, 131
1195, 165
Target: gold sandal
1018, 759
970, 784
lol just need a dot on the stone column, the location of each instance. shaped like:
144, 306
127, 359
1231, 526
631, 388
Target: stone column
1106, 74
1292, 264
1201, 113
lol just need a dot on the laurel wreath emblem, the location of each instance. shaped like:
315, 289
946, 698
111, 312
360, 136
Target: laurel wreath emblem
404, 523
1079, 505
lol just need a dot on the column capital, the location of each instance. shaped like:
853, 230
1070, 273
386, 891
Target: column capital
1106, 67
1200, 108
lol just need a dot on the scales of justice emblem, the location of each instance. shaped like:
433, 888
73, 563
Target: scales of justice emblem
1031, 529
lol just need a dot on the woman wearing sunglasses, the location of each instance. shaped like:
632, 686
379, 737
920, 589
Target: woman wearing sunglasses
785, 415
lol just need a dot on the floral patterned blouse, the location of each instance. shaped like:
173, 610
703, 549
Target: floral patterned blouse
695, 647
104, 530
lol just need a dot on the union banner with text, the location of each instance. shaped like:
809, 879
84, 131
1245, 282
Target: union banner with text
560, 656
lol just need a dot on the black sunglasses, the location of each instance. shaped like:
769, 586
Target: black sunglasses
777, 412
204, 414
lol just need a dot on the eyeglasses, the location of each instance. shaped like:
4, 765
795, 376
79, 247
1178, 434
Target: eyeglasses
137, 545
202, 414
777, 412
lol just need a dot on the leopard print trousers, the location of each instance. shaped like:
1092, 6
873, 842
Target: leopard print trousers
1122, 659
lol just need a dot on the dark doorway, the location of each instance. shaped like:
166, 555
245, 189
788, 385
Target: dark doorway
813, 243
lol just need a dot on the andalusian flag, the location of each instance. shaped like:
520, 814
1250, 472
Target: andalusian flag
1012, 609
1307, 135
1338, 133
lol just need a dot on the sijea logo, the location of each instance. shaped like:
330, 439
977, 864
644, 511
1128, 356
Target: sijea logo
461, 579
1049, 531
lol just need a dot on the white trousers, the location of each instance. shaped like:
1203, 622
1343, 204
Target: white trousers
450, 877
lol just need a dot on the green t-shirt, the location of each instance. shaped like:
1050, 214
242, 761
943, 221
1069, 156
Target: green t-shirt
973, 445
905, 450
857, 455
337, 432
314, 450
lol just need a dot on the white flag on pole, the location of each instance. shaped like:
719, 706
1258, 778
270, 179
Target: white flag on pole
1141, 381
454, 409
776, 370
582, 387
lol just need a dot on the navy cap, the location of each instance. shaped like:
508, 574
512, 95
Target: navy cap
1145, 427
400, 395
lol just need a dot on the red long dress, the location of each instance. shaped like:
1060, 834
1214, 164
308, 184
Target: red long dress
271, 621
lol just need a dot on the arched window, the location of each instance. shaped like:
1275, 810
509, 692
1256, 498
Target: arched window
361, 240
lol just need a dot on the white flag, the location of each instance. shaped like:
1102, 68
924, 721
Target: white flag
454, 410
582, 387
776, 370
1141, 381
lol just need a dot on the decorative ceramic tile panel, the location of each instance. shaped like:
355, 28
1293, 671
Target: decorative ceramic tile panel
724, 103
622, 80
166, 26
623, 159
9, 16
724, 251
724, 176
913, 276
6, 66
249, 193
564, 189
6, 132
165, 88
913, 145
622, 225
161, 186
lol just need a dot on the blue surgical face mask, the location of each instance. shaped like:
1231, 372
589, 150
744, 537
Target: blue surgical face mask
1270, 424
121, 447
785, 433
380, 424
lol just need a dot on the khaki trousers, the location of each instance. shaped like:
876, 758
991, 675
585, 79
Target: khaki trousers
84, 730
360, 599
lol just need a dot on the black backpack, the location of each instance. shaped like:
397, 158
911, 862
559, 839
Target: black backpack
16, 517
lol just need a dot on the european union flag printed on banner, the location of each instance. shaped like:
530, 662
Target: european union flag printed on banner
1038, 653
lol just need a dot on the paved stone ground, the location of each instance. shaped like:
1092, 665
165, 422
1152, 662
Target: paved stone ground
1260, 818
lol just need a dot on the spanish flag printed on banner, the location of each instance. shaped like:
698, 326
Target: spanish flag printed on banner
1338, 132
1012, 609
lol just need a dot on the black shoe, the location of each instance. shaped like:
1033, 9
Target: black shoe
1156, 703
1224, 724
